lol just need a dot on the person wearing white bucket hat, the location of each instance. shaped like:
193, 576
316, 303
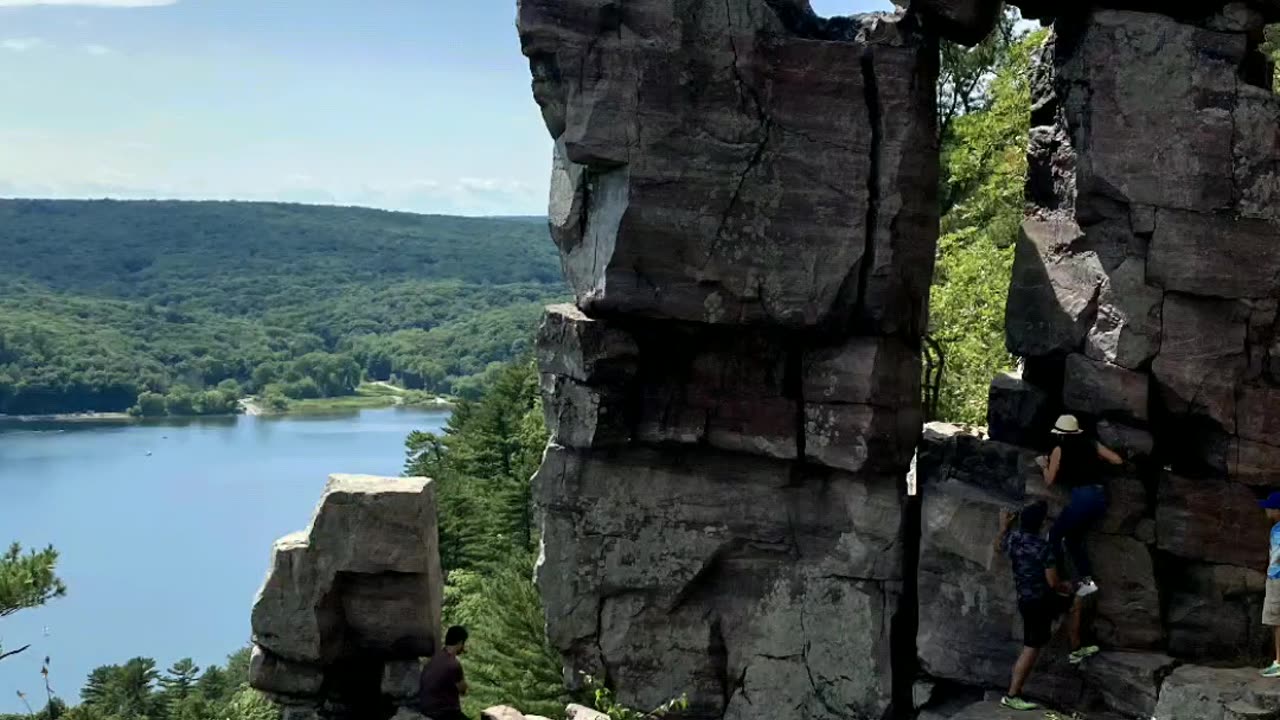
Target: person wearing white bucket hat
1074, 464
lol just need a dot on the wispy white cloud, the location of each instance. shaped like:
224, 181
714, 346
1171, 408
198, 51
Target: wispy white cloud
95, 49
89, 3
21, 44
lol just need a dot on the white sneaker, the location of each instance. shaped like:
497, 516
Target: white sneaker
1087, 588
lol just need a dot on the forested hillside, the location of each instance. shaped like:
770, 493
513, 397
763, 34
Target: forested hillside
102, 301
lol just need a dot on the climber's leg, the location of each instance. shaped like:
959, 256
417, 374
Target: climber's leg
1037, 629
1075, 621
1022, 670
1087, 506
1271, 618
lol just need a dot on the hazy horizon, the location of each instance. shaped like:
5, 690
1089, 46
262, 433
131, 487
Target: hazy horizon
408, 108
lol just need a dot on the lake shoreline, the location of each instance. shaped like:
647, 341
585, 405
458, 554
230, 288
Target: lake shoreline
256, 411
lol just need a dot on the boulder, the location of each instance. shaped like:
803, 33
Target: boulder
948, 453
1053, 295
1127, 329
501, 712
969, 628
1192, 692
1099, 388
364, 578
1018, 412
408, 714
580, 712
1129, 682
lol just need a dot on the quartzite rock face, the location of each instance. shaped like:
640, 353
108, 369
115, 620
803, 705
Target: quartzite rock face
1153, 249
730, 566
728, 162
353, 601
1144, 293
742, 196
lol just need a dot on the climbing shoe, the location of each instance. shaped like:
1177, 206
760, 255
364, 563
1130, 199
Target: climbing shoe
1017, 703
1087, 588
1272, 671
1082, 654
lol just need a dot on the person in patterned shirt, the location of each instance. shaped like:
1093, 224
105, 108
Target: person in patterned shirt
1042, 595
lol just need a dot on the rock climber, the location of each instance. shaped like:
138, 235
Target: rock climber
1042, 595
442, 683
1073, 464
1271, 605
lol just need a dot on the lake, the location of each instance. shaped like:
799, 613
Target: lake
162, 553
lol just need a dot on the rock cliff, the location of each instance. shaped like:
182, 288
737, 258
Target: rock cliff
744, 198
1145, 288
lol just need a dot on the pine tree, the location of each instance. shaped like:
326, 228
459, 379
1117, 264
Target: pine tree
481, 464
178, 684
27, 581
509, 659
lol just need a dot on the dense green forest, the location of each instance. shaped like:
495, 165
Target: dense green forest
984, 102
195, 304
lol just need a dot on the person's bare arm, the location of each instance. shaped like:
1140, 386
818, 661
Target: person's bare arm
1109, 455
1055, 462
1006, 521
462, 681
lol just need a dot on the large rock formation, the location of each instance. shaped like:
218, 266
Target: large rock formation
1146, 281
743, 195
743, 200
352, 602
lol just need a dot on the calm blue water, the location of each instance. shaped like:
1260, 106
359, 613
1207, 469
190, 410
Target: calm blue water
162, 554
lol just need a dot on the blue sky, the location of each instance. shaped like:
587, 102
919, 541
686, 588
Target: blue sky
419, 105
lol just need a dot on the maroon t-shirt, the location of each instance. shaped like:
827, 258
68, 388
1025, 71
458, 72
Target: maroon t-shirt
438, 689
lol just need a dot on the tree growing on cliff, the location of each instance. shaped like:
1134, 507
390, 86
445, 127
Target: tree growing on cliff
27, 581
481, 464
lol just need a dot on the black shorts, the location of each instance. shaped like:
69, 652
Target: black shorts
1038, 616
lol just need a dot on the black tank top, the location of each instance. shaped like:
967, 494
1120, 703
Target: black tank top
1079, 464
